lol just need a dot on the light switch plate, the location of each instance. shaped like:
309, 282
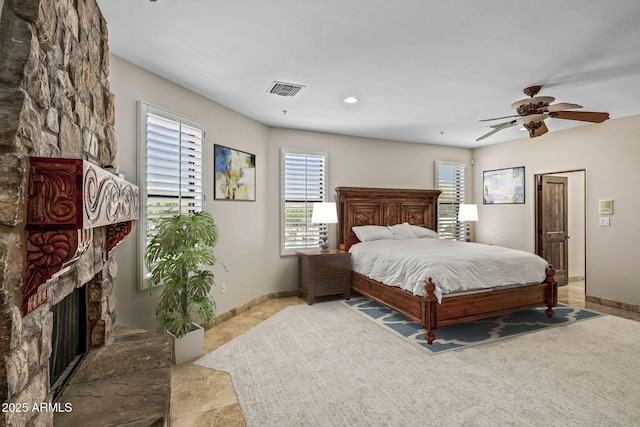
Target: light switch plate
604, 222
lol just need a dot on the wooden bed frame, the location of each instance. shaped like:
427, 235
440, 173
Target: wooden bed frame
387, 206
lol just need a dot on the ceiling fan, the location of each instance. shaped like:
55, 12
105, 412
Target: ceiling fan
533, 111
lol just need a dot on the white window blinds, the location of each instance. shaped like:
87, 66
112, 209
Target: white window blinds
171, 170
450, 181
174, 166
303, 176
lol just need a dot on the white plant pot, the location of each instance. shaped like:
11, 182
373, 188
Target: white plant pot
189, 346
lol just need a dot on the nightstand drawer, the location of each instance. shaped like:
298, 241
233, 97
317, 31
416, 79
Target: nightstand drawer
330, 265
331, 284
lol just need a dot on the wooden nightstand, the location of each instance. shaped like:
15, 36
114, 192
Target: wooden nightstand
324, 273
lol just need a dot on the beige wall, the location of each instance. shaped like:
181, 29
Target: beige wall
608, 152
249, 243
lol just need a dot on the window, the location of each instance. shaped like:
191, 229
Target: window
170, 170
450, 180
303, 183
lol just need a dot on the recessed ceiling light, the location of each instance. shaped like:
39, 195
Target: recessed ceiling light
351, 100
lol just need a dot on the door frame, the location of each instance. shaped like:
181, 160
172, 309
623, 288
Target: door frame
538, 214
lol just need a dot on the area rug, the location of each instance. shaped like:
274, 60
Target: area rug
452, 337
325, 365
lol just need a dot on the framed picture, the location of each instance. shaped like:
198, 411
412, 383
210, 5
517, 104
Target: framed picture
235, 174
503, 186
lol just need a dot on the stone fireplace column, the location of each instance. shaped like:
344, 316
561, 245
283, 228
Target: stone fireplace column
54, 102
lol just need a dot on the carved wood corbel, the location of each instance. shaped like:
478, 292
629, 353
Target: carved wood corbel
116, 234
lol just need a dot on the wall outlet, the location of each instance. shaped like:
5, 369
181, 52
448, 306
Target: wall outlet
223, 287
604, 222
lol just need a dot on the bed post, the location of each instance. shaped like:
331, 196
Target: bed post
552, 291
429, 311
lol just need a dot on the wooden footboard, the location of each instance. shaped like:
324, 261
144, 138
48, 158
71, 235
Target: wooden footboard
458, 309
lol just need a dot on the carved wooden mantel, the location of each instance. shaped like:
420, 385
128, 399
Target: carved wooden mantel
68, 198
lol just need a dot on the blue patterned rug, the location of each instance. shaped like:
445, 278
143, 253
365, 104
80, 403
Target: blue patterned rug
451, 337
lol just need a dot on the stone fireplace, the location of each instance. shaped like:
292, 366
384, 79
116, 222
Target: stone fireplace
54, 103
68, 201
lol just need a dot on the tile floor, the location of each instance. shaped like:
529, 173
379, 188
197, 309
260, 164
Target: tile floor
203, 397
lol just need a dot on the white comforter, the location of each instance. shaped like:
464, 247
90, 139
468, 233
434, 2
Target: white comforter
454, 266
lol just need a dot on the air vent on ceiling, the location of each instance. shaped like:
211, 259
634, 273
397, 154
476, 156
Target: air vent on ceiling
284, 89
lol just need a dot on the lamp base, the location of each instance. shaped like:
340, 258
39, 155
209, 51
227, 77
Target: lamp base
324, 246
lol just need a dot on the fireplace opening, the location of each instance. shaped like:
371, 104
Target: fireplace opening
69, 339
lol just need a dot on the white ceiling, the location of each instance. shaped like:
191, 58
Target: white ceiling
424, 71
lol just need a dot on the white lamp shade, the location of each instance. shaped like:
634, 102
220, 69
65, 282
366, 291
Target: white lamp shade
324, 213
468, 212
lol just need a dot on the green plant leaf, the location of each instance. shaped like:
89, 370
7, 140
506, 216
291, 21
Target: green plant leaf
175, 256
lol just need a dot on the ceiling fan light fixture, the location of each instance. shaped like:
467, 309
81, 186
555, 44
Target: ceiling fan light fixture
536, 128
535, 118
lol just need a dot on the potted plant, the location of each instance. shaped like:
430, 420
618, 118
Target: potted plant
176, 257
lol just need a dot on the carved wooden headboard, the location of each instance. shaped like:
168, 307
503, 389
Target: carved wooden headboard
383, 206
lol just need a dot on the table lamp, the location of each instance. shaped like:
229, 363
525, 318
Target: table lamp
324, 213
468, 213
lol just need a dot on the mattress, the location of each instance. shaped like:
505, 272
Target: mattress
454, 267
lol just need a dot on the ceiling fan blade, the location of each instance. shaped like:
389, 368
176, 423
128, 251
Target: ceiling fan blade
561, 106
499, 118
497, 128
539, 131
583, 116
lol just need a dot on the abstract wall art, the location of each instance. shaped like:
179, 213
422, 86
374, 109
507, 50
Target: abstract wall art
503, 186
235, 174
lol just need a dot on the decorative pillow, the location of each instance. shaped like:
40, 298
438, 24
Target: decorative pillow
368, 233
402, 231
351, 240
421, 232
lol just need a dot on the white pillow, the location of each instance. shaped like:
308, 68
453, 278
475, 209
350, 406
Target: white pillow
402, 231
368, 233
420, 232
